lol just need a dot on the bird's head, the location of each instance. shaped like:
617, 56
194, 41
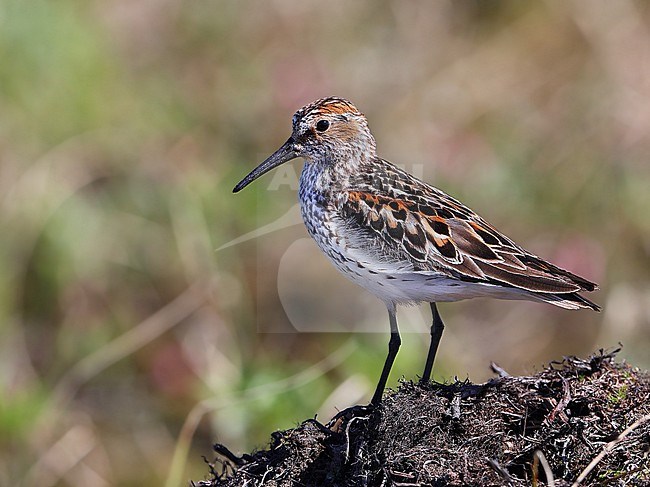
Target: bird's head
329, 131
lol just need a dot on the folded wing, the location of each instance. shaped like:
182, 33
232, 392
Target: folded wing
439, 233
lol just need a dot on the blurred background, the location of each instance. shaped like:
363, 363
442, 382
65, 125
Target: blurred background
146, 312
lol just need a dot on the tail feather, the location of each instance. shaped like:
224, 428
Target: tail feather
568, 301
552, 269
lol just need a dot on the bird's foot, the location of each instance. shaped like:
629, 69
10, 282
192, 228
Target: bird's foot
343, 418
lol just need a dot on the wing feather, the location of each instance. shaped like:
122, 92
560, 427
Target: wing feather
438, 233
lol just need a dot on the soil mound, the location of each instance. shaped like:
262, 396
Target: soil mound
578, 420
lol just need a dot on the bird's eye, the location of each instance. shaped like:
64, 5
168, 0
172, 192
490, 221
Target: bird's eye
322, 125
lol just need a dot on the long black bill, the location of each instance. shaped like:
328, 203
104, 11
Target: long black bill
280, 156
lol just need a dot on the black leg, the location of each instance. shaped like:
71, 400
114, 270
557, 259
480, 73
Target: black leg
393, 347
437, 326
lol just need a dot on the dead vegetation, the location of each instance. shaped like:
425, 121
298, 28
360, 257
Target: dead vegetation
578, 422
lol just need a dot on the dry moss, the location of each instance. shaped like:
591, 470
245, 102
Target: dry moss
471, 435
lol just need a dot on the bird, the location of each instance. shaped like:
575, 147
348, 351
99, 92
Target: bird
401, 239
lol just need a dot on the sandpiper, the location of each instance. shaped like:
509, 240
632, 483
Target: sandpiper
401, 239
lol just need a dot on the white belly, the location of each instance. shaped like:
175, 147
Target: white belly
412, 287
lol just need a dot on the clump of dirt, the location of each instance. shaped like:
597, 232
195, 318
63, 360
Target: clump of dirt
579, 420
